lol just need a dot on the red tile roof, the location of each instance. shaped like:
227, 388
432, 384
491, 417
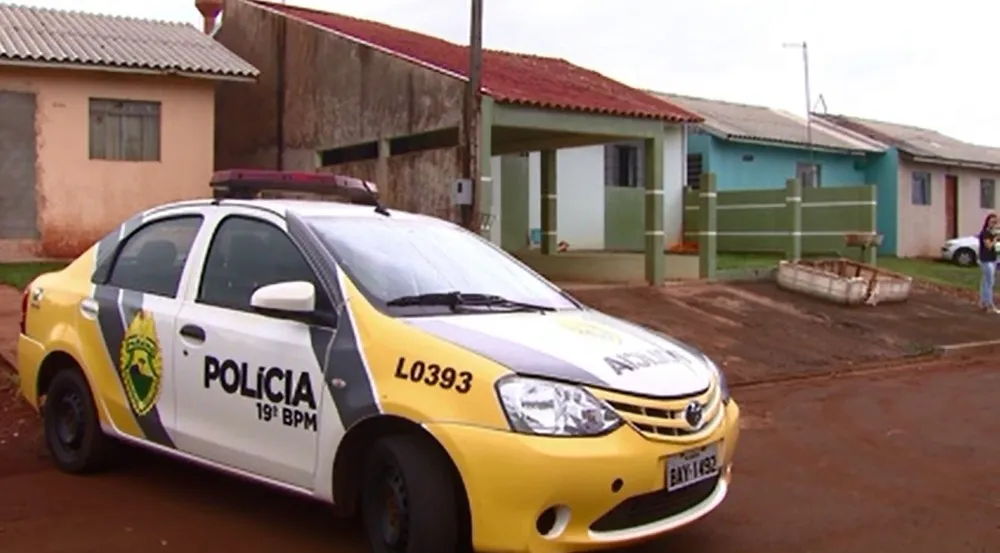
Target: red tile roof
507, 77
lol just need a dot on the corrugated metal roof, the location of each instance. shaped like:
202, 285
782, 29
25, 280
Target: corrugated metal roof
918, 141
760, 123
506, 76
46, 36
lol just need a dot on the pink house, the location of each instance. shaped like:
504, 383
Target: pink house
100, 117
932, 187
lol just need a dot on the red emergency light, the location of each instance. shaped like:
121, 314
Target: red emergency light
247, 184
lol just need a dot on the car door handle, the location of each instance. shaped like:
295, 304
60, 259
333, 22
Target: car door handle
194, 332
88, 307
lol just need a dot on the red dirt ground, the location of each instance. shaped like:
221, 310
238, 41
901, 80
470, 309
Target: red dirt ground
758, 332
901, 460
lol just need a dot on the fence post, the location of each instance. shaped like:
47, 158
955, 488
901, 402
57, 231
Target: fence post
793, 207
707, 224
871, 254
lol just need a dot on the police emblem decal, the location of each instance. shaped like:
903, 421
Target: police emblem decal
141, 364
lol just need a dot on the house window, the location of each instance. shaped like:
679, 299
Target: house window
987, 193
694, 171
920, 188
124, 130
621, 165
809, 174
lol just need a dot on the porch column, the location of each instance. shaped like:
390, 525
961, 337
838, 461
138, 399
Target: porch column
548, 186
655, 260
488, 212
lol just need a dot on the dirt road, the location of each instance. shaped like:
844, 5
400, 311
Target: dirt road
757, 332
904, 460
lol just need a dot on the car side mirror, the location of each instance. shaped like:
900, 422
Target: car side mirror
297, 296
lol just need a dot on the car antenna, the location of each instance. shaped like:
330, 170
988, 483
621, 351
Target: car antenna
379, 208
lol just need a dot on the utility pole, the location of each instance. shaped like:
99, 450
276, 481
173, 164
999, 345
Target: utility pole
470, 165
809, 142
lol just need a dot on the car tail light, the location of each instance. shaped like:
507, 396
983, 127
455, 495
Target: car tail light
24, 308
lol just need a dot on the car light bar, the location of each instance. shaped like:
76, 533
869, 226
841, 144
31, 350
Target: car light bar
247, 184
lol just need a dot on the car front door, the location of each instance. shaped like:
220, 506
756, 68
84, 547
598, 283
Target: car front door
250, 386
135, 304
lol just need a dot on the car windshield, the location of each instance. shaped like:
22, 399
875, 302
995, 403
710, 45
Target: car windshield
392, 259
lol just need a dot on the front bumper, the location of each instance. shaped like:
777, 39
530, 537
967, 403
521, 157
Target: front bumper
947, 252
511, 479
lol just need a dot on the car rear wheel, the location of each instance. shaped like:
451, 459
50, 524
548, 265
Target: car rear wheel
72, 428
408, 502
965, 257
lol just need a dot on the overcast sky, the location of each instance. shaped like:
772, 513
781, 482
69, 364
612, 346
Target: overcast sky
927, 64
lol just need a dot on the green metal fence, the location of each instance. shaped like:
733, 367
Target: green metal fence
791, 220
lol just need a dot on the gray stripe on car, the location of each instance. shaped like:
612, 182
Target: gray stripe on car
516, 357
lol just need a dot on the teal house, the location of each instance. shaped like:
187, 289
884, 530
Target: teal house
757, 148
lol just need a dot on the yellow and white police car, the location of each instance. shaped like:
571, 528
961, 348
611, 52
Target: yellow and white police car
394, 365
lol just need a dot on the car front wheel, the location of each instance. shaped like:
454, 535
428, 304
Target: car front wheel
409, 503
965, 257
72, 428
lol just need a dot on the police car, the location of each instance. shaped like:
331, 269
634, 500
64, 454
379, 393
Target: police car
393, 365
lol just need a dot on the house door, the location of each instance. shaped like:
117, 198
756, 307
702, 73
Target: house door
951, 206
18, 215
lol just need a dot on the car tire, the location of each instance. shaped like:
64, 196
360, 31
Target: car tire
409, 502
73, 433
964, 257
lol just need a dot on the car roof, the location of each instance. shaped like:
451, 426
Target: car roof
312, 208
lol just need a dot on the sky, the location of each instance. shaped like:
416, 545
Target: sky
924, 64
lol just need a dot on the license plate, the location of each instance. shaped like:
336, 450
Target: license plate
693, 465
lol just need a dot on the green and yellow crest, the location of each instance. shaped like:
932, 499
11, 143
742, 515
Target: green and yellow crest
141, 365
589, 328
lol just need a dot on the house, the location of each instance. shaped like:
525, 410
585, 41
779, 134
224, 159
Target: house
937, 188
755, 147
349, 95
100, 117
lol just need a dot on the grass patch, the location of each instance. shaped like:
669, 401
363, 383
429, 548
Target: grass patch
937, 272
19, 275
934, 271
727, 261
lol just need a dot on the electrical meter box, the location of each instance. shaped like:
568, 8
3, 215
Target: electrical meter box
461, 192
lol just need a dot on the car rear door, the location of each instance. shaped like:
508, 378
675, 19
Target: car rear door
134, 303
250, 387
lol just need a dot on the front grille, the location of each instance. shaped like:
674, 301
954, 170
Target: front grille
654, 506
664, 418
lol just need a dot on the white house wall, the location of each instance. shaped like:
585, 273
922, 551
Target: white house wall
674, 179
580, 186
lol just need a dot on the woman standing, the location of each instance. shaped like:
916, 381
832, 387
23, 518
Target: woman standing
988, 263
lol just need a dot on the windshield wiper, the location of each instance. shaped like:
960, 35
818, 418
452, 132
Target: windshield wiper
456, 300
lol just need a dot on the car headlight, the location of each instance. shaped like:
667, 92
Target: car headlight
535, 406
721, 377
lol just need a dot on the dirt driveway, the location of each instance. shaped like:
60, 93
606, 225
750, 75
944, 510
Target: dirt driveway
902, 460
758, 332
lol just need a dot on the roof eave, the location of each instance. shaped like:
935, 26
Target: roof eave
41, 64
667, 119
798, 145
955, 162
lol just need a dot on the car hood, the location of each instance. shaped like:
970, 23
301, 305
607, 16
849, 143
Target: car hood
584, 347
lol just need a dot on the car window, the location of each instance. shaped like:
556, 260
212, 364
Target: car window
247, 254
152, 259
389, 258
